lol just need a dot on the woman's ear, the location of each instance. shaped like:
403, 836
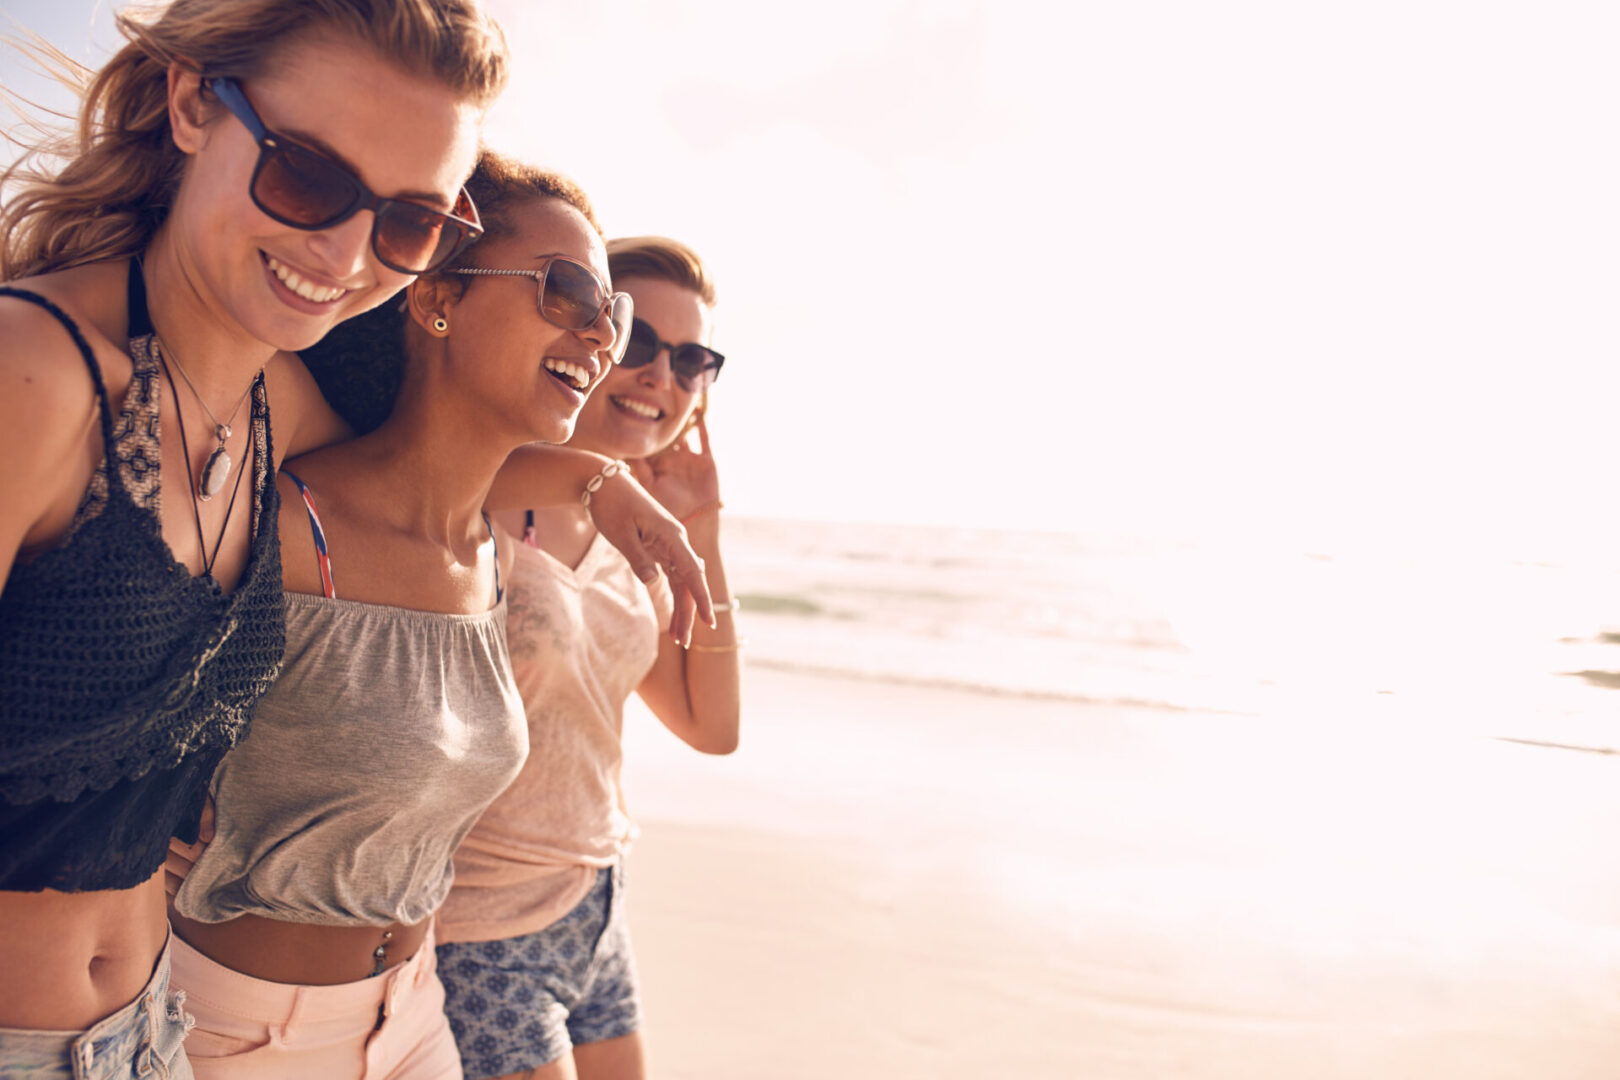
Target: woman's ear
429, 302
188, 113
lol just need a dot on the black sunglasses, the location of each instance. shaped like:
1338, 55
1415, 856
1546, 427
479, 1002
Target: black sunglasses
298, 187
572, 297
695, 366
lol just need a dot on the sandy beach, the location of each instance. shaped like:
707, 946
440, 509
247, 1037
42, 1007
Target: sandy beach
899, 881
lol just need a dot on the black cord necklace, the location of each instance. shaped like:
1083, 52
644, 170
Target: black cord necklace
196, 515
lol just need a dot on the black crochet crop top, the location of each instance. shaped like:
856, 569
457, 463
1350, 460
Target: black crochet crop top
123, 678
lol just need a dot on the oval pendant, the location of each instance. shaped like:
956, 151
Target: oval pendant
212, 481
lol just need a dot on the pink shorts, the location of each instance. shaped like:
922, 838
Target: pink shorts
250, 1028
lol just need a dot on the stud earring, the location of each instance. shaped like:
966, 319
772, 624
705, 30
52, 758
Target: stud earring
440, 326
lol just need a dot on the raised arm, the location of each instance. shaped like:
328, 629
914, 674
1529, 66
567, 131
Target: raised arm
626, 516
694, 691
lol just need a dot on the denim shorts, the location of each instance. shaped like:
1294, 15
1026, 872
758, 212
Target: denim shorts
519, 1003
140, 1040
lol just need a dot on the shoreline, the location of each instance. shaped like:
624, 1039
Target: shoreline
901, 881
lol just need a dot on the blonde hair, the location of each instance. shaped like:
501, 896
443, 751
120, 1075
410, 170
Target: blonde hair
122, 168
662, 258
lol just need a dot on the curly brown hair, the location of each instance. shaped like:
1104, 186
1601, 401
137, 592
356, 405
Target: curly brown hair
360, 364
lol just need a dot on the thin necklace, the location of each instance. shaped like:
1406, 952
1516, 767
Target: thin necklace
218, 466
196, 516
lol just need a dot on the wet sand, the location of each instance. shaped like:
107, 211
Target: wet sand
906, 882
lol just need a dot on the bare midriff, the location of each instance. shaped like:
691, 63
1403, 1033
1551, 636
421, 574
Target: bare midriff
300, 953
71, 959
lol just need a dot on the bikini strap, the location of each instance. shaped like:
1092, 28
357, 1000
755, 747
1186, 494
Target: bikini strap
499, 592
322, 560
89, 361
140, 319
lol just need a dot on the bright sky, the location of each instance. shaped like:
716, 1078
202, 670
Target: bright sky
1334, 273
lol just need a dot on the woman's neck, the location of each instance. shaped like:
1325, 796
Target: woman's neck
436, 461
219, 355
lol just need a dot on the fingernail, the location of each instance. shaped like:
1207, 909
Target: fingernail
648, 573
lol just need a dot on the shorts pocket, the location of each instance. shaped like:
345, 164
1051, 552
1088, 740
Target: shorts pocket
205, 1044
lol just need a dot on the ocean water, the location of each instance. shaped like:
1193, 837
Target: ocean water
1421, 641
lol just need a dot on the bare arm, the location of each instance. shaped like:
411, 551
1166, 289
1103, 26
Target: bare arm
626, 516
695, 691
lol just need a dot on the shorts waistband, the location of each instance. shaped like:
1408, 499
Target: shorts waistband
224, 988
125, 1031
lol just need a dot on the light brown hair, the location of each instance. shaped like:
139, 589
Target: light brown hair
662, 258
122, 168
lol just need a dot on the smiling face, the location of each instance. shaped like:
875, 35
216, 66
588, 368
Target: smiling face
637, 412
522, 367
402, 136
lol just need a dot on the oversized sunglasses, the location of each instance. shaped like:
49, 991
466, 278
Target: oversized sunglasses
572, 297
296, 186
695, 366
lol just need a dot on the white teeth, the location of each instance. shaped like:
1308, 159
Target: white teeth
640, 408
569, 370
320, 294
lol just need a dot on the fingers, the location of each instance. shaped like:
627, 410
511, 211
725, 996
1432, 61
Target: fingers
703, 433
178, 863
680, 624
641, 561
205, 824
688, 581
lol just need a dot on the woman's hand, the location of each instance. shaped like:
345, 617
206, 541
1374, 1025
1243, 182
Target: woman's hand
652, 539
684, 480
182, 857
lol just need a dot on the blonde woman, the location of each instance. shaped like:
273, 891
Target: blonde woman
537, 962
157, 283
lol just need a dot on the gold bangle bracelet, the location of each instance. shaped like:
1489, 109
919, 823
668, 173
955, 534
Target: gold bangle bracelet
733, 647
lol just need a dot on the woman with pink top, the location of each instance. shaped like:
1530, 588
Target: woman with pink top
536, 957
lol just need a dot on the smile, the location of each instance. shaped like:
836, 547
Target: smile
319, 294
568, 372
638, 408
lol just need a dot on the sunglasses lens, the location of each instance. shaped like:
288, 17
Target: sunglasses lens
640, 345
694, 366
570, 297
622, 312
414, 239
303, 189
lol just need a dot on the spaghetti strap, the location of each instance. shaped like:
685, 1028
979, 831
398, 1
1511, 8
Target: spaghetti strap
323, 560
89, 361
499, 592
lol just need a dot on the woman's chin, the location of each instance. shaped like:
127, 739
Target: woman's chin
555, 430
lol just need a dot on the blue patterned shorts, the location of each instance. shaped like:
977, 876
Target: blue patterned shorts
523, 1002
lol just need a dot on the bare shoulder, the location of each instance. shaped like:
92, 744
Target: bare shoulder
300, 417
47, 389
48, 404
43, 367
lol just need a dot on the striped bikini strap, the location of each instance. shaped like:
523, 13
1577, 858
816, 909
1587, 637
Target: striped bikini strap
323, 560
